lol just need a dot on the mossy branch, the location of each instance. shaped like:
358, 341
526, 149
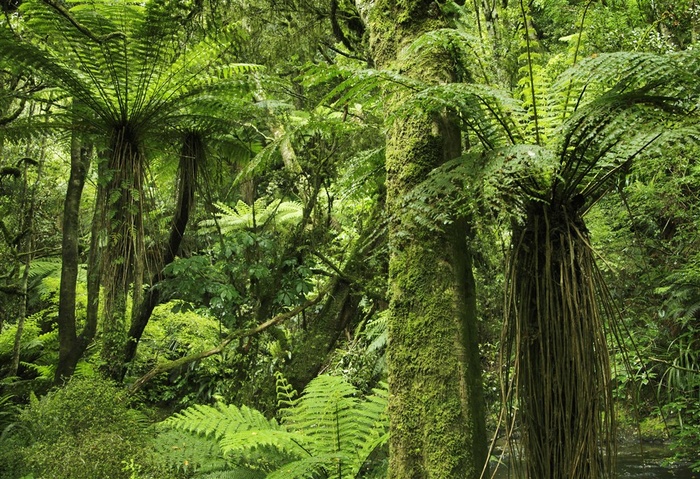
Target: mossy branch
14, 115
81, 28
238, 334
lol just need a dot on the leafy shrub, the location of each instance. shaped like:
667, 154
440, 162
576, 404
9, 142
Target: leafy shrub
85, 430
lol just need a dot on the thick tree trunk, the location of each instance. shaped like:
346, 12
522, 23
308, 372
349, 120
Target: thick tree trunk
436, 406
70, 348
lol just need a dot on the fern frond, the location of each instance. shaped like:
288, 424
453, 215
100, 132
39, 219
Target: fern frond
376, 331
485, 111
459, 187
265, 158
363, 170
41, 268
339, 423
286, 394
240, 444
360, 86
183, 451
44, 371
220, 421
608, 133
311, 467
260, 214
127, 63
671, 76
238, 473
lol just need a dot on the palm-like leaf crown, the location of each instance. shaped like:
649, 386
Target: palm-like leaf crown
124, 63
595, 118
132, 77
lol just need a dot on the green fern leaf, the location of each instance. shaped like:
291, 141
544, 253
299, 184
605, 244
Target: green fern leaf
240, 444
220, 420
323, 465
329, 430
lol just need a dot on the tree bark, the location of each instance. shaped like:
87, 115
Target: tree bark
70, 348
436, 405
94, 266
28, 204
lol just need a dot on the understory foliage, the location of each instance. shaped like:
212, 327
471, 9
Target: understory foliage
655, 282
84, 430
329, 430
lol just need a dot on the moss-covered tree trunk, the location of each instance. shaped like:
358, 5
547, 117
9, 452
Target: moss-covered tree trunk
436, 401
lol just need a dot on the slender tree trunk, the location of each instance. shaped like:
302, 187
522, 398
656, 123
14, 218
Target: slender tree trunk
70, 348
436, 406
27, 225
94, 266
4, 231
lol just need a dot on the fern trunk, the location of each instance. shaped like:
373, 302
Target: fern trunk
436, 406
191, 155
558, 340
123, 213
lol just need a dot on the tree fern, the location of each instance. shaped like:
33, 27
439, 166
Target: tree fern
134, 84
557, 301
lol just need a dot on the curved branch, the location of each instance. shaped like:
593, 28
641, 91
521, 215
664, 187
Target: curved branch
14, 115
81, 28
239, 334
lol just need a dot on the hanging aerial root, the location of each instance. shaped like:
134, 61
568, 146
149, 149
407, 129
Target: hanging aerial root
554, 343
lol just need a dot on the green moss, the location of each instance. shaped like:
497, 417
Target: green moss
653, 428
435, 405
427, 404
86, 429
394, 24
